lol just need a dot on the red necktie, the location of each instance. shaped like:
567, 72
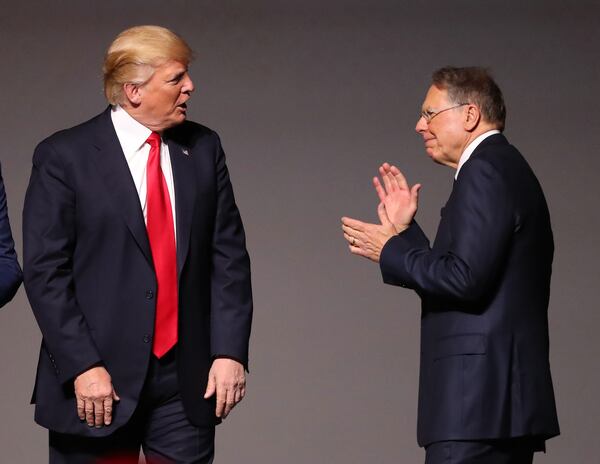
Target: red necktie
161, 233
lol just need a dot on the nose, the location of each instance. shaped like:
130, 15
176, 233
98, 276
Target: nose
421, 125
188, 85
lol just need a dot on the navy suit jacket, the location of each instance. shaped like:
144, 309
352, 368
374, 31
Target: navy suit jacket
90, 279
10, 271
484, 286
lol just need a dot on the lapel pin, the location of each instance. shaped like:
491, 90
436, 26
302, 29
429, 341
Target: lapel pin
185, 152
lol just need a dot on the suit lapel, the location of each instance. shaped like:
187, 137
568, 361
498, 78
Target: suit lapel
184, 179
116, 176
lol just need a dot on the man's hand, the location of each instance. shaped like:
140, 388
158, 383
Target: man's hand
368, 239
228, 380
400, 200
95, 396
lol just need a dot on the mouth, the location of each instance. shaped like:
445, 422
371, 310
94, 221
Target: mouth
182, 106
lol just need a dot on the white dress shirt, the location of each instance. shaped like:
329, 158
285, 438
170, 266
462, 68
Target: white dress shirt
471, 148
132, 136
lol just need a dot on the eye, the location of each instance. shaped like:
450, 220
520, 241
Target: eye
176, 79
427, 114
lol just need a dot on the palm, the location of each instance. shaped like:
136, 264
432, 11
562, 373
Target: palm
400, 200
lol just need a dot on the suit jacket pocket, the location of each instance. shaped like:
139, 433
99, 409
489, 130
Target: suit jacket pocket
460, 344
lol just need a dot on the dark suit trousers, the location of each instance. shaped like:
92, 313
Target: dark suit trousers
159, 426
509, 451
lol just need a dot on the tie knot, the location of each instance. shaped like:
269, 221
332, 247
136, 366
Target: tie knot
154, 139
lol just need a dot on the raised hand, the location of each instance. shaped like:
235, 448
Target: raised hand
400, 200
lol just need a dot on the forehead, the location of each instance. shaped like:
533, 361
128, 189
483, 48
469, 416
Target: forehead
171, 67
435, 98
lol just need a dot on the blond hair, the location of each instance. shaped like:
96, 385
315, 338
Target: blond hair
136, 53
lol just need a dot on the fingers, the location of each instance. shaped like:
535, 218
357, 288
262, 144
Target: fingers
383, 217
353, 223
229, 402
414, 196
351, 240
95, 396
80, 408
238, 395
387, 180
107, 405
232, 394
221, 400
98, 413
89, 412
352, 236
227, 382
210, 388
357, 251
379, 189
398, 177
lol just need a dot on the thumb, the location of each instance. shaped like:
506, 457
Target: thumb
115, 396
211, 387
414, 195
382, 214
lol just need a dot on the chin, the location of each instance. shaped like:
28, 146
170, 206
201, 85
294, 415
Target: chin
176, 121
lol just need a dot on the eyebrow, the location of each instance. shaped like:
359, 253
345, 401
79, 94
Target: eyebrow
178, 75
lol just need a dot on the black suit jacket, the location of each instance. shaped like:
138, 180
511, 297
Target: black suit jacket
89, 274
484, 286
10, 271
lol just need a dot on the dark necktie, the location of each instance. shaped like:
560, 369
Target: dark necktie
161, 233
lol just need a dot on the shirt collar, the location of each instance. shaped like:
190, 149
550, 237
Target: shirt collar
130, 132
471, 148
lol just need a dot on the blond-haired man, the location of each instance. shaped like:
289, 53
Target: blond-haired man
136, 268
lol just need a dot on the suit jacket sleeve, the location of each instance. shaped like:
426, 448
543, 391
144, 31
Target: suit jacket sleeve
10, 271
477, 224
231, 294
49, 240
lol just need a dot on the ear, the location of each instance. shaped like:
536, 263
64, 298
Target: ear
472, 118
133, 93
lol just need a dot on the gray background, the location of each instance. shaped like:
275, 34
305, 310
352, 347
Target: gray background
309, 97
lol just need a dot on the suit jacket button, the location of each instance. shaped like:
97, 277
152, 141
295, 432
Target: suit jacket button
147, 338
149, 294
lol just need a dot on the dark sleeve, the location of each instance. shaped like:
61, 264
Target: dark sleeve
480, 224
231, 293
10, 271
49, 239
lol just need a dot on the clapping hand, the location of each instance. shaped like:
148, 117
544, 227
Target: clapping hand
400, 200
397, 206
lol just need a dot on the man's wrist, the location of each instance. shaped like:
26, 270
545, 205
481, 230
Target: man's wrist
233, 358
399, 228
